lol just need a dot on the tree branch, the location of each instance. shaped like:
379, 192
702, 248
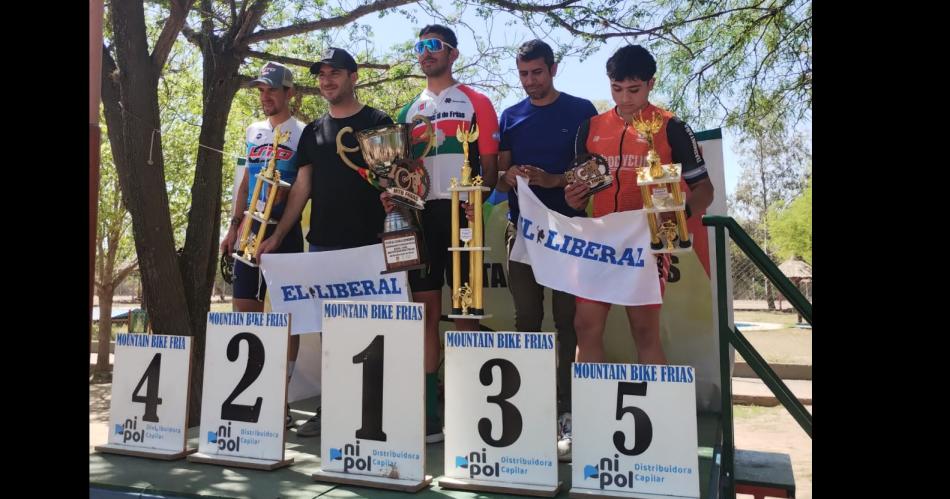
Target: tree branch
192, 35
330, 22
173, 25
520, 7
374, 83
300, 62
631, 31
249, 20
308, 90
123, 274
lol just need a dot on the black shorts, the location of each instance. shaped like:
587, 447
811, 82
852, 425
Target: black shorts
437, 233
248, 283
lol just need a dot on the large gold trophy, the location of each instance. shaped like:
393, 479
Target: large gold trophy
660, 187
260, 211
387, 150
467, 300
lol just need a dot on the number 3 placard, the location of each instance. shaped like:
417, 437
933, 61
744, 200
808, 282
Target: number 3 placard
634, 431
245, 390
500, 422
373, 419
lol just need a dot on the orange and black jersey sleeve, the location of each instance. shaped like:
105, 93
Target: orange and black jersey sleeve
685, 150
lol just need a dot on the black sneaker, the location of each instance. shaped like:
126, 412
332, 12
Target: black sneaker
288, 419
311, 428
434, 431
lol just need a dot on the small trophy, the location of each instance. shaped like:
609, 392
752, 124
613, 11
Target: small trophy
467, 297
247, 244
387, 151
660, 187
591, 169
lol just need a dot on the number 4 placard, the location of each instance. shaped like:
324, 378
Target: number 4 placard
634, 431
149, 396
245, 390
373, 417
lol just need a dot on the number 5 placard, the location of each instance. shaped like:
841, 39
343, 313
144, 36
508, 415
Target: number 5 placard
634, 431
373, 419
245, 390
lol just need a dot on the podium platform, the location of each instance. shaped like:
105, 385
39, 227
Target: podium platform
114, 476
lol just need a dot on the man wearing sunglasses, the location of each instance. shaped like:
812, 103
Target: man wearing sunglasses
449, 105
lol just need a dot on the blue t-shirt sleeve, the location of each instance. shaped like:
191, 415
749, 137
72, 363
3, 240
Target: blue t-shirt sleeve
589, 110
505, 144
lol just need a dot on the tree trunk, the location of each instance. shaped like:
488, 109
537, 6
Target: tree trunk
105, 328
199, 260
130, 98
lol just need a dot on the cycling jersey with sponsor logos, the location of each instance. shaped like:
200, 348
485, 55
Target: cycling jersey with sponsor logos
260, 145
456, 106
625, 150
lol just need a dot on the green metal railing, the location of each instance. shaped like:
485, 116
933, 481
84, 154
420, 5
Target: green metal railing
729, 336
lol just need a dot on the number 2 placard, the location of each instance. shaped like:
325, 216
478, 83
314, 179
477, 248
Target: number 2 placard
245, 390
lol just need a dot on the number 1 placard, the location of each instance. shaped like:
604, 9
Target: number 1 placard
245, 390
373, 423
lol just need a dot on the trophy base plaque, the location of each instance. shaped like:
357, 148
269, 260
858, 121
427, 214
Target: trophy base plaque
402, 250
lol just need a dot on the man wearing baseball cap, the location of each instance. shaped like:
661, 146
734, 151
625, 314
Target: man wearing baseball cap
345, 211
276, 87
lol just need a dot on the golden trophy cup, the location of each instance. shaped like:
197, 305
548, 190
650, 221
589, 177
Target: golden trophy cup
387, 150
247, 244
660, 188
467, 297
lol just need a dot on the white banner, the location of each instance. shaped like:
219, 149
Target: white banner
298, 283
606, 259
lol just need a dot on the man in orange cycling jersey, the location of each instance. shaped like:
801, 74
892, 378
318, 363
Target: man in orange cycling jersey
611, 134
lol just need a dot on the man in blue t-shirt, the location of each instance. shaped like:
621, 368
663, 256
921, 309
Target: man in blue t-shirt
537, 142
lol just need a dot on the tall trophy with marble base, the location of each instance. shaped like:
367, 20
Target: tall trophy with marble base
660, 188
260, 211
467, 295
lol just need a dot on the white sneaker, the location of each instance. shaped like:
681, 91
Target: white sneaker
564, 437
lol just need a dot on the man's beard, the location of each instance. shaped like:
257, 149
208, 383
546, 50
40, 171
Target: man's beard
435, 70
340, 97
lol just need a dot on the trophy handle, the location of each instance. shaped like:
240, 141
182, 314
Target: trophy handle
341, 149
430, 133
